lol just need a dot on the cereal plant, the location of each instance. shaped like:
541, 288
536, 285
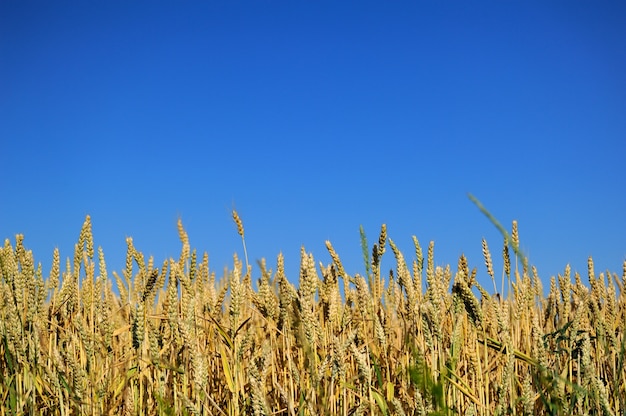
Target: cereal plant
176, 338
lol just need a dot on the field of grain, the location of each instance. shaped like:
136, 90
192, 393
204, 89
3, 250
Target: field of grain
175, 339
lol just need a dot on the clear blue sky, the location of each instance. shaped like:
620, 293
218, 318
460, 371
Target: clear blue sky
313, 118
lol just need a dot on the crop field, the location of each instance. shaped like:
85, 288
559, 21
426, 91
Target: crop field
177, 338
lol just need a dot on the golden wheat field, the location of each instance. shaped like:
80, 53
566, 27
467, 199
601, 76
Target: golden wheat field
175, 339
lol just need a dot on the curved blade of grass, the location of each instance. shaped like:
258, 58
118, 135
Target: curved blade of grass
380, 401
230, 382
500, 228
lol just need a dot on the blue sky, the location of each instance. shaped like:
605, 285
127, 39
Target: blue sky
311, 119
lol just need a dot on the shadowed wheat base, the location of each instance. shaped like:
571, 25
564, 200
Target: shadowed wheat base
414, 341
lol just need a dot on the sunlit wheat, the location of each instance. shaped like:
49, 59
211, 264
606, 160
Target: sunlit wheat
413, 340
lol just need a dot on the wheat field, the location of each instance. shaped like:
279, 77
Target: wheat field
173, 338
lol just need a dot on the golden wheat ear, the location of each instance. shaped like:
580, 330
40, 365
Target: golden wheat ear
240, 231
